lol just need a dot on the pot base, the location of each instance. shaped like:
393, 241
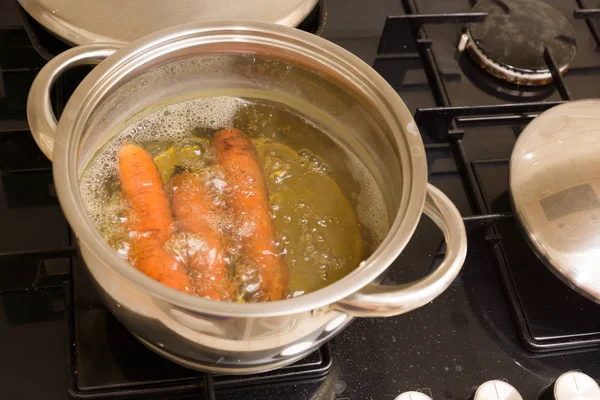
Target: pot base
239, 370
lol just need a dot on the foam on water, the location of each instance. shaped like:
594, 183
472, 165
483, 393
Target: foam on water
370, 205
171, 124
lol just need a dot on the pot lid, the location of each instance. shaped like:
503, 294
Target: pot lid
93, 21
555, 188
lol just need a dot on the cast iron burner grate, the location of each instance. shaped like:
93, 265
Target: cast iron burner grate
107, 362
549, 315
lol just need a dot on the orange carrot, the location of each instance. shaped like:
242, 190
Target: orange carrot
193, 208
249, 200
150, 221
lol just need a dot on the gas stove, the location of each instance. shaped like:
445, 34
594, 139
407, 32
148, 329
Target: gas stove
505, 318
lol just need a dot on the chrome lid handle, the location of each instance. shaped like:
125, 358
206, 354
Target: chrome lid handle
41, 118
383, 301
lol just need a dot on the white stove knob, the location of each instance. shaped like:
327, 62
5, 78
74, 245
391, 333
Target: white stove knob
496, 390
413, 396
575, 385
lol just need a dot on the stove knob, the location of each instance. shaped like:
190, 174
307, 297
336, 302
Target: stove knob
575, 385
496, 390
413, 396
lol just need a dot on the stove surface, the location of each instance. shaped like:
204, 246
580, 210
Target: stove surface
505, 317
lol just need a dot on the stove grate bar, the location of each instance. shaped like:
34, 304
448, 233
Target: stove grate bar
589, 15
403, 36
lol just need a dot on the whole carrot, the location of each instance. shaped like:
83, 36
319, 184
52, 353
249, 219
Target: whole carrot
195, 212
149, 219
249, 200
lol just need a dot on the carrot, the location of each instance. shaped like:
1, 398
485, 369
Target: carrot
249, 200
149, 219
193, 208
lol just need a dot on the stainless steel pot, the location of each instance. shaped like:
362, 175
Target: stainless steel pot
308, 73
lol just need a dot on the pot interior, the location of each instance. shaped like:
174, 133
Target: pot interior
364, 115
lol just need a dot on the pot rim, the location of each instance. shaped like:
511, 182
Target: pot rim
354, 70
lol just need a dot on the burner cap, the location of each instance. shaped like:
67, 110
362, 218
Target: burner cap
510, 42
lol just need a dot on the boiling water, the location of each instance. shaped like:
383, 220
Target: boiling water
327, 210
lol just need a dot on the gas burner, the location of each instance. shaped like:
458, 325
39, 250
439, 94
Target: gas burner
510, 43
500, 89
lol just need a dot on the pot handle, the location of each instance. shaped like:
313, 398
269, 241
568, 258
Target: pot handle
383, 301
41, 118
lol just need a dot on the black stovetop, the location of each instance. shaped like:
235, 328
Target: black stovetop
505, 317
